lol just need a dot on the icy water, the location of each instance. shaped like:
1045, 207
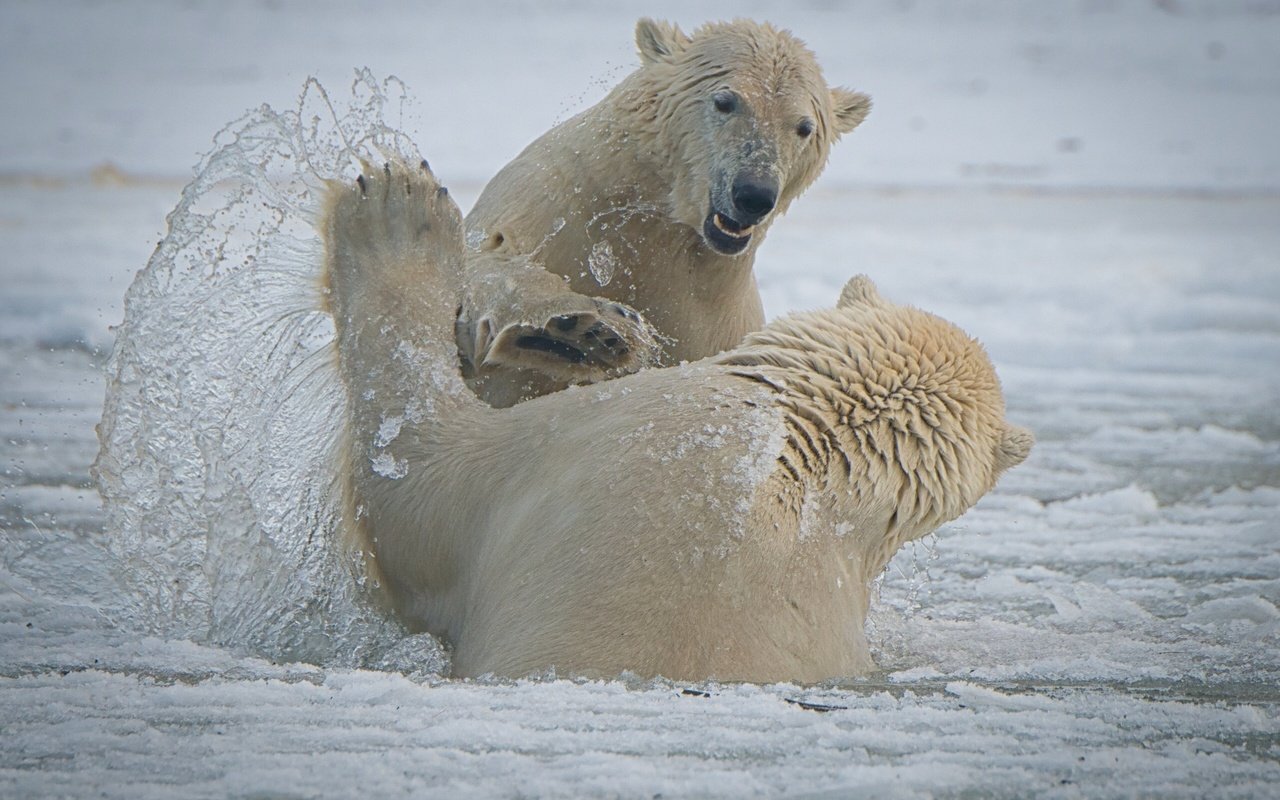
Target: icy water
223, 411
1105, 624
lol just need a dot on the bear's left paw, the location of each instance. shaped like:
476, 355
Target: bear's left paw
390, 216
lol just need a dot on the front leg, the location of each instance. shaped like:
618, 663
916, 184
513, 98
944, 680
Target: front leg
393, 246
393, 257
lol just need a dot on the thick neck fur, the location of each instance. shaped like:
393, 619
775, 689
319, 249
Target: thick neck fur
915, 450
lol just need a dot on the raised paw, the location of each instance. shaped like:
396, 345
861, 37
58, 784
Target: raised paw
577, 339
391, 218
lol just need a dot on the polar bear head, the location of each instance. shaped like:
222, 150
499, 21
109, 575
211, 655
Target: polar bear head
903, 405
746, 121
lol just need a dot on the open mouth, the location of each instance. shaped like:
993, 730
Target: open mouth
725, 235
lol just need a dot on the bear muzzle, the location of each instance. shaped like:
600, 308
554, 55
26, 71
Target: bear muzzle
753, 198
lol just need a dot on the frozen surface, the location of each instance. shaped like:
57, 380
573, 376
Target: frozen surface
1176, 93
1092, 189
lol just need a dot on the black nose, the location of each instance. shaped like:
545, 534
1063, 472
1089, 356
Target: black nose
754, 196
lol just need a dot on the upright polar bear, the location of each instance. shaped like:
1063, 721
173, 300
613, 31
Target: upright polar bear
656, 198
721, 519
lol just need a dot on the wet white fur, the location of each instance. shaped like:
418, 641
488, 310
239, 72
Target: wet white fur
721, 519
623, 189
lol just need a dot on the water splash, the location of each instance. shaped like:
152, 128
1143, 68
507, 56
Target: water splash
898, 593
223, 409
602, 262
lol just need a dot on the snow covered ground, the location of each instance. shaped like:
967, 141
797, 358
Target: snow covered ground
1090, 188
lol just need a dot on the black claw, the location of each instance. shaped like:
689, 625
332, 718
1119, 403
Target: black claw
443, 191
386, 168
425, 166
611, 342
364, 190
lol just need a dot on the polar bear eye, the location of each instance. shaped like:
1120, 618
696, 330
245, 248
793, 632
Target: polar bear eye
725, 101
805, 128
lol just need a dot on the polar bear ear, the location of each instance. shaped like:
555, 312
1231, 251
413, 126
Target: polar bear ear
850, 108
659, 42
859, 291
1015, 446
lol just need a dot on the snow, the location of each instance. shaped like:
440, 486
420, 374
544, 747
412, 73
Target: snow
1090, 188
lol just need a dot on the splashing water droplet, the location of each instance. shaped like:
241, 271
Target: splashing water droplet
220, 431
602, 262
388, 466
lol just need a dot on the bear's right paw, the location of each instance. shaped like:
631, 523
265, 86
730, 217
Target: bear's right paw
583, 339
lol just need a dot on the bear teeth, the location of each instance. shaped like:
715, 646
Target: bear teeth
736, 233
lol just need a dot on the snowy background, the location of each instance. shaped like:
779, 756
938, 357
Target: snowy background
1092, 188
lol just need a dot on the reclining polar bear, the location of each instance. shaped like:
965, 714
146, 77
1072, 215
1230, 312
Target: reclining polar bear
721, 519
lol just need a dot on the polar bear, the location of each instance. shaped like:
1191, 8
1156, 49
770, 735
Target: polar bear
654, 200
721, 519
